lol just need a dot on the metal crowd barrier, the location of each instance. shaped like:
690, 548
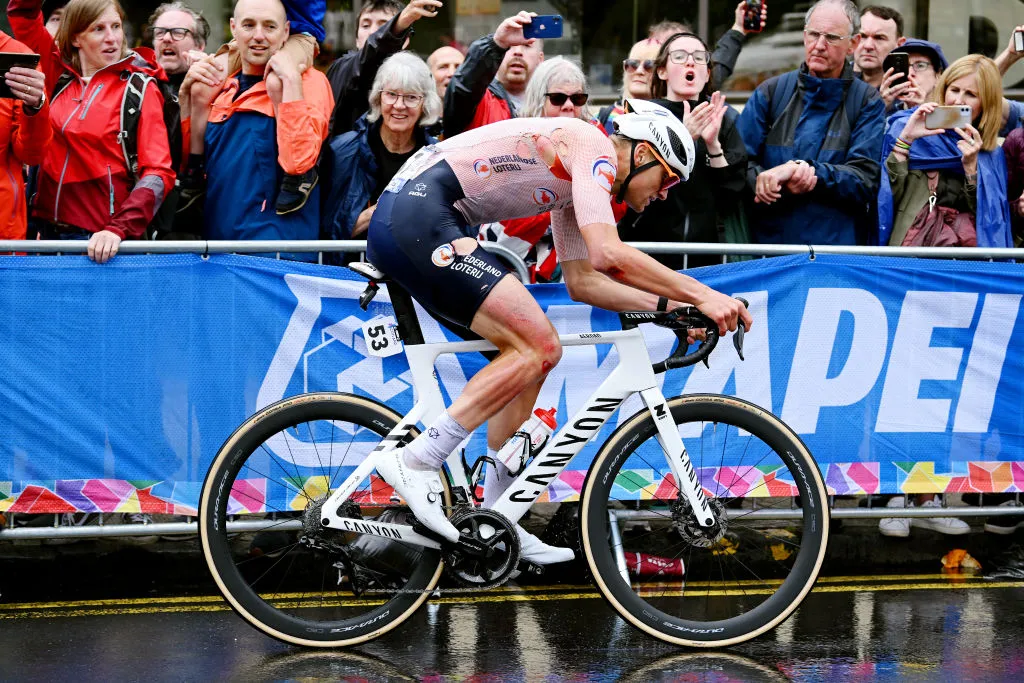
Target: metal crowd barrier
278, 247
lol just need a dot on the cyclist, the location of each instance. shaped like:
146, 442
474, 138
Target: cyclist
513, 169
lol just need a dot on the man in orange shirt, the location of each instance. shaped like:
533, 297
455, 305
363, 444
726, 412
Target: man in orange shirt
241, 182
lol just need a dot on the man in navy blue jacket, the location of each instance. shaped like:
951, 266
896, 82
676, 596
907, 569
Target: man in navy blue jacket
813, 139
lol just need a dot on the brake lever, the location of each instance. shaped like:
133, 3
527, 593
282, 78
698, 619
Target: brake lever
737, 337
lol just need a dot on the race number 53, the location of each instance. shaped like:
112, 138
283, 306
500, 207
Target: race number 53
381, 335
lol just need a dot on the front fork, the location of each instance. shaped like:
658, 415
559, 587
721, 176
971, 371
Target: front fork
678, 459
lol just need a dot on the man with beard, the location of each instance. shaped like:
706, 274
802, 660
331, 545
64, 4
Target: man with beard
489, 85
177, 30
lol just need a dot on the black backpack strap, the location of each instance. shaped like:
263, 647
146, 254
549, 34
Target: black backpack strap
131, 112
63, 81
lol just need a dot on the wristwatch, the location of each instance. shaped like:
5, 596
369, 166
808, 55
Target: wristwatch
35, 110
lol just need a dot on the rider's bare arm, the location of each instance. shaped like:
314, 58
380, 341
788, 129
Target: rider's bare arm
588, 286
609, 256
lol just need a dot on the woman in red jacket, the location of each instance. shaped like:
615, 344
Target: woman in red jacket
24, 135
86, 190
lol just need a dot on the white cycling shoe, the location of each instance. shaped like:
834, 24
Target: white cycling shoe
421, 489
531, 548
534, 550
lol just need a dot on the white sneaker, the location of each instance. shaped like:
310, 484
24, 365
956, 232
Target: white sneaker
421, 489
897, 527
944, 525
534, 550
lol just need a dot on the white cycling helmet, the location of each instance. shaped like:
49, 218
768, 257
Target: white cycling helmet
652, 123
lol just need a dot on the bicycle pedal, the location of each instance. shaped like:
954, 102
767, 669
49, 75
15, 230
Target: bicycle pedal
527, 568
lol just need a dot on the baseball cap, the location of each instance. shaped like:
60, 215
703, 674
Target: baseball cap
926, 47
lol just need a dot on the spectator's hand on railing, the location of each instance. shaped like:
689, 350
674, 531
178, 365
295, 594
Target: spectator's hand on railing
416, 10
103, 246
510, 32
27, 85
741, 12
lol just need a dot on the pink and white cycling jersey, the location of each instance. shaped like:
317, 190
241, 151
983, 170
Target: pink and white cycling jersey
523, 167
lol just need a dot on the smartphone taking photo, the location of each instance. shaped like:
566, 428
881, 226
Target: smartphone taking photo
752, 16
12, 59
544, 26
958, 116
899, 62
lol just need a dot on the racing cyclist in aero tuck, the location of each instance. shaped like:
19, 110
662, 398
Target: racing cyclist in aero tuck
513, 169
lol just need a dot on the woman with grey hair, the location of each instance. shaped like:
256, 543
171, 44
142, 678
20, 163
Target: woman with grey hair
360, 163
557, 88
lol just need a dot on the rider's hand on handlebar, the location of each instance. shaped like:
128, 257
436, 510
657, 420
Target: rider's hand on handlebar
725, 311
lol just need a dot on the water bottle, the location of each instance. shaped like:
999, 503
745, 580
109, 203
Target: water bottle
528, 439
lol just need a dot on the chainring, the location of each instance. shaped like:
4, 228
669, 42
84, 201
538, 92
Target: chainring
489, 552
685, 523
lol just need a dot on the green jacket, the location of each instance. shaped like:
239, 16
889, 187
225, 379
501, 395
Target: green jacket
910, 194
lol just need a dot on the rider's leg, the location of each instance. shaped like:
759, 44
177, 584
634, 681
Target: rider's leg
499, 429
528, 346
510, 318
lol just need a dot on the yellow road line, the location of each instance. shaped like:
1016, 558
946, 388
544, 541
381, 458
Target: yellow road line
82, 608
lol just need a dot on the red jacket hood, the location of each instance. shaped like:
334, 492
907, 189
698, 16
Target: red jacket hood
144, 59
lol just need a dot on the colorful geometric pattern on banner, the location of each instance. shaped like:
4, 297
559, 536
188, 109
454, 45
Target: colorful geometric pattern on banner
122, 380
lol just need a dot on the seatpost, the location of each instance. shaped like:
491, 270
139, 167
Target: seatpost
405, 314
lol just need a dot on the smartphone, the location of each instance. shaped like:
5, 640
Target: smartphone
1018, 41
544, 26
752, 16
949, 117
9, 59
899, 62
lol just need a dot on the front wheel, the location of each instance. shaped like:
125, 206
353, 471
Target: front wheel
705, 586
259, 525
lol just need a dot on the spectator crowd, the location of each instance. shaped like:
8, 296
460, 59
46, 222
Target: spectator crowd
181, 138
184, 138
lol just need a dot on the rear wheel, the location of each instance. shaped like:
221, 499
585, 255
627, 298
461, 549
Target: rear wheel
693, 585
261, 534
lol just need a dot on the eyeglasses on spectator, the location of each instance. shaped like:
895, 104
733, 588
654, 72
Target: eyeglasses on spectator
634, 64
390, 97
559, 98
176, 33
812, 37
680, 56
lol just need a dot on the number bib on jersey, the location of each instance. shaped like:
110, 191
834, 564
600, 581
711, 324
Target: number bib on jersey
416, 164
381, 335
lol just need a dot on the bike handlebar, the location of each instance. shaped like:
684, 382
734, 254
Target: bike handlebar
681, 321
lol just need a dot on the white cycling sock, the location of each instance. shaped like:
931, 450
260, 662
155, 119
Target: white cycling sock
429, 450
497, 480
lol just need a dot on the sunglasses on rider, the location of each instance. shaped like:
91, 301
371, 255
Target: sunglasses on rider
671, 179
559, 98
634, 64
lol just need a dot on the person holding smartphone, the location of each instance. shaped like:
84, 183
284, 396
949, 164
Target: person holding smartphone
24, 136
960, 169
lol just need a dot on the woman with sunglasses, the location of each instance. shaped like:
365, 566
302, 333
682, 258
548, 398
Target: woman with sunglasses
637, 70
694, 210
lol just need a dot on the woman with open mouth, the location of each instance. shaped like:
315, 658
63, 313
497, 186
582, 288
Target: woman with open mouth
695, 210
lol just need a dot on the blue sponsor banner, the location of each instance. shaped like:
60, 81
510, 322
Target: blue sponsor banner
121, 381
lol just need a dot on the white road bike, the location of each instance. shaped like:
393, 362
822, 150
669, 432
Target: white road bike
703, 518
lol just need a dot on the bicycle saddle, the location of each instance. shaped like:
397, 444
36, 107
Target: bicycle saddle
368, 270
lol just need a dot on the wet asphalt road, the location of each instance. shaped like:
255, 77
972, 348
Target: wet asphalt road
882, 628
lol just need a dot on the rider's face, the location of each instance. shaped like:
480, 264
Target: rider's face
649, 185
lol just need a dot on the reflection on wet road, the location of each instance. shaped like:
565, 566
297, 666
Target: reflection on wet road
850, 629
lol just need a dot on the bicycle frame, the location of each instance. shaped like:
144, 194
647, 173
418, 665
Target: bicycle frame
632, 375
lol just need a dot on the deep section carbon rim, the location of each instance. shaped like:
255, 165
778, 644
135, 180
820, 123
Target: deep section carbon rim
291, 578
687, 584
